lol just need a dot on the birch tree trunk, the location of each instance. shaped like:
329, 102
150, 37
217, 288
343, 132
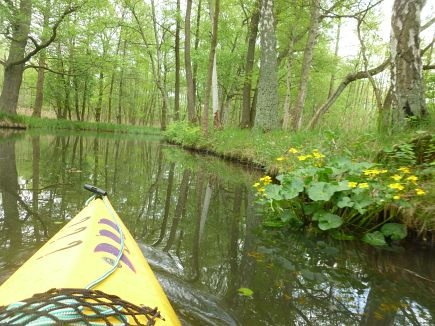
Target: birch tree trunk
214, 83
406, 64
245, 121
306, 64
267, 103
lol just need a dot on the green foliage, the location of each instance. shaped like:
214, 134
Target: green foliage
183, 132
340, 194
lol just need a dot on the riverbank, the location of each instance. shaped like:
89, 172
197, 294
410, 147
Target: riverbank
270, 152
28, 122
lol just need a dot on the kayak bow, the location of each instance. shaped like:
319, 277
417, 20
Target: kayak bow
84, 254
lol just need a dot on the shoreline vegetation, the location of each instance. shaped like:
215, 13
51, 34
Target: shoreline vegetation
392, 208
28, 122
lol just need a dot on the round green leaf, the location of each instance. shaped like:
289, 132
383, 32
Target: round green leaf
320, 191
345, 202
329, 221
394, 230
375, 239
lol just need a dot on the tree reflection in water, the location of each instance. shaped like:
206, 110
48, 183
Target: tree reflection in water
196, 220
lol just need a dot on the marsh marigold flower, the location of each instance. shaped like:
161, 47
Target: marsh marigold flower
397, 186
404, 170
396, 177
352, 184
363, 185
412, 178
293, 150
280, 158
396, 197
420, 192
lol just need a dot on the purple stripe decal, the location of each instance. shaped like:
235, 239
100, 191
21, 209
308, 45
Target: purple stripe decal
114, 237
109, 223
105, 247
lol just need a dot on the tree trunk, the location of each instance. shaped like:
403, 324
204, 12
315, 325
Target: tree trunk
121, 81
406, 64
267, 103
211, 58
334, 72
214, 84
306, 64
98, 109
245, 121
39, 97
188, 66
195, 64
158, 75
13, 73
285, 122
177, 65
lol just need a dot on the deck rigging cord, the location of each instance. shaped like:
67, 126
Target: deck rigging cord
69, 309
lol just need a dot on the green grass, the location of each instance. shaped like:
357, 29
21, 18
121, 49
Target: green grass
52, 124
263, 148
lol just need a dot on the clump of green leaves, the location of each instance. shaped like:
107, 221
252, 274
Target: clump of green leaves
183, 132
340, 195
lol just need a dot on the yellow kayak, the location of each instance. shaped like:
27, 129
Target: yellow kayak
94, 252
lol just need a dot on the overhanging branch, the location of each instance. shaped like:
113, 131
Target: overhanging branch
42, 46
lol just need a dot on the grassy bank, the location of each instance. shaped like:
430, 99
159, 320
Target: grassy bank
347, 176
26, 122
262, 149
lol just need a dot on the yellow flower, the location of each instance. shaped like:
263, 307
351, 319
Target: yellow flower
293, 150
396, 197
396, 177
363, 185
371, 172
420, 192
352, 184
260, 189
280, 158
384, 171
256, 185
318, 155
412, 178
266, 180
302, 158
397, 186
405, 170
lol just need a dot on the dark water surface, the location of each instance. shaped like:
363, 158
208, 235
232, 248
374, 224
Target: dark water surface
196, 221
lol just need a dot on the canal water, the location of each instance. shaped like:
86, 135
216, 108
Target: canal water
196, 221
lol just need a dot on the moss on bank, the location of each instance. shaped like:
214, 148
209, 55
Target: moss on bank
25, 122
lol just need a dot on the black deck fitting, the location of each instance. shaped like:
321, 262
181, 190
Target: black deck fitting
97, 191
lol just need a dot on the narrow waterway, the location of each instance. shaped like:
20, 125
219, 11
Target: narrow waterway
197, 223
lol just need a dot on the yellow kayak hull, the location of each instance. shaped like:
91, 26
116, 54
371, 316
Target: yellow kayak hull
81, 252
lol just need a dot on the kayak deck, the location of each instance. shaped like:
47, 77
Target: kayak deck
81, 253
